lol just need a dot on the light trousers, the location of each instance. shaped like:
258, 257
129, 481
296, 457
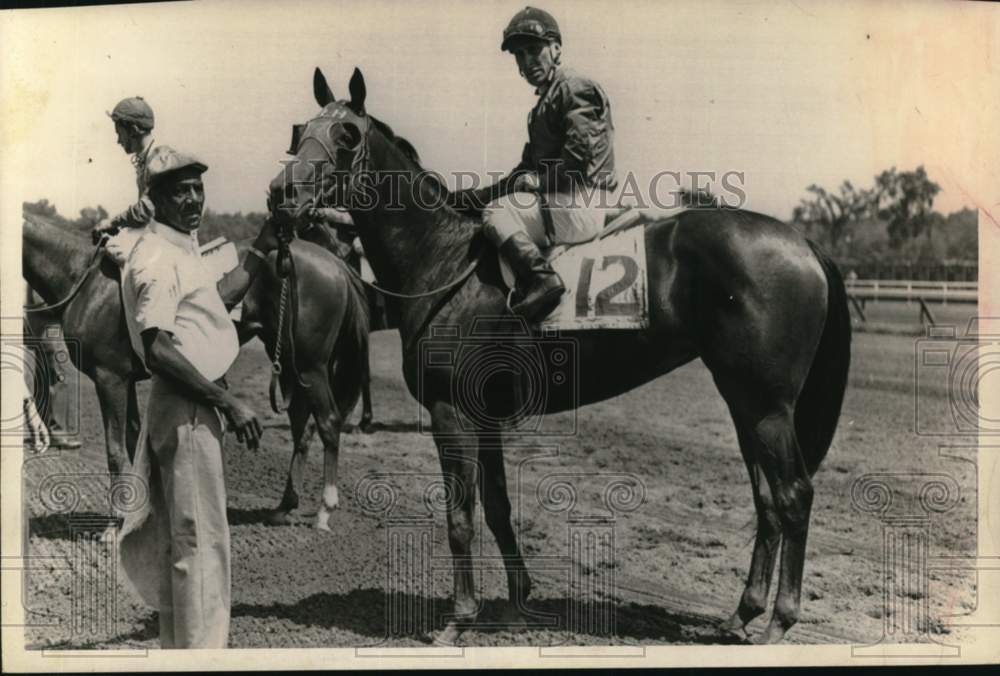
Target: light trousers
176, 551
575, 218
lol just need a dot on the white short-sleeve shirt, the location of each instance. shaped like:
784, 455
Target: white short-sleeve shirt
166, 285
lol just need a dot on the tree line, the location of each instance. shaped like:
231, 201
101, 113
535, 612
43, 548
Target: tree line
891, 221
214, 224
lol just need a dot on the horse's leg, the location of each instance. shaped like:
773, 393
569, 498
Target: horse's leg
366, 393
329, 423
302, 433
785, 470
113, 397
768, 537
496, 506
457, 452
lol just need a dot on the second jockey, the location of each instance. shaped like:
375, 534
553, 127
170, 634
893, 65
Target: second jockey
566, 169
133, 119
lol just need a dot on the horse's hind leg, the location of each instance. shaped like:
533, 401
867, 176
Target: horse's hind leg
788, 478
767, 540
329, 423
302, 433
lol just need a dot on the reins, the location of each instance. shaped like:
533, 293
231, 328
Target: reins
93, 264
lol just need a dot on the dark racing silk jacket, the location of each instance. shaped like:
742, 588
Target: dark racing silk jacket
570, 135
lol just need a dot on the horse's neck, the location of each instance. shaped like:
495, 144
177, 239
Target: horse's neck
415, 248
52, 260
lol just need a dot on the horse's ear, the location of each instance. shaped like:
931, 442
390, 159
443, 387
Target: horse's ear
358, 92
321, 90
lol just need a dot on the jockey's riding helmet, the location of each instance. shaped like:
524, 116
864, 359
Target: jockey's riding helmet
135, 110
530, 23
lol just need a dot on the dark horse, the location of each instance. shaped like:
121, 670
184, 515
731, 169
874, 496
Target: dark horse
759, 304
330, 340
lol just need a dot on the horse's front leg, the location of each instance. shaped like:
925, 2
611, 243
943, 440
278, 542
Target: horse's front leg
302, 433
112, 394
458, 451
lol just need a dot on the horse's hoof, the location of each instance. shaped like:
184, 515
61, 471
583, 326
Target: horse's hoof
734, 625
447, 637
513, 619
366, 426
277, 517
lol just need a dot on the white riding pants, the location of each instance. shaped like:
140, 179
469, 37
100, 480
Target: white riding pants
575, 218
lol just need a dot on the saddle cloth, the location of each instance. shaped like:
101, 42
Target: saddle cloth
605, 279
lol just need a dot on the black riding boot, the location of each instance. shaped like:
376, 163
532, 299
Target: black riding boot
538, 284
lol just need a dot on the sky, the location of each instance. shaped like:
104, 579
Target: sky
788, 93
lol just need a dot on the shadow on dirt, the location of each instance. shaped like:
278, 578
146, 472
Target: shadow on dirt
70, 525
393, 426
366, 612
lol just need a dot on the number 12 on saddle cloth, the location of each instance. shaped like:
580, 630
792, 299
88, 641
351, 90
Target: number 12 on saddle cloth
605, 280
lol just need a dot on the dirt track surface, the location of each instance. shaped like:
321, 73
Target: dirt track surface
680, 555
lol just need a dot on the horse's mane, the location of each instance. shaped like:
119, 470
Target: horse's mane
448, 221
50, 221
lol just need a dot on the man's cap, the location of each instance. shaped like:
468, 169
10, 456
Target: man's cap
530, 23
164, 160
133, 109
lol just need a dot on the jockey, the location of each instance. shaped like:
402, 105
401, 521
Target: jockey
556, 194
133, 120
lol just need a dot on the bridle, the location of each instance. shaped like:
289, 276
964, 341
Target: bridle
360, 165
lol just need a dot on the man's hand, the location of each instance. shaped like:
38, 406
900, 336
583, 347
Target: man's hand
244, 422
331, 216
105, 227
267, 238
527, 182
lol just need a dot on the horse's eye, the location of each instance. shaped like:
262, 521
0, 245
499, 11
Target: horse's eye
346, 135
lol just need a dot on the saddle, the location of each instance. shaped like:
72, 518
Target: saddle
605, 276
630, 217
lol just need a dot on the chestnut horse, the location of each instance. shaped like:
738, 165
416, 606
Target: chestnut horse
330, 344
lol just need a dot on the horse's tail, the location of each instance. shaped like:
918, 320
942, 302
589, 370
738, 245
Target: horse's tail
822, 394
349, 367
